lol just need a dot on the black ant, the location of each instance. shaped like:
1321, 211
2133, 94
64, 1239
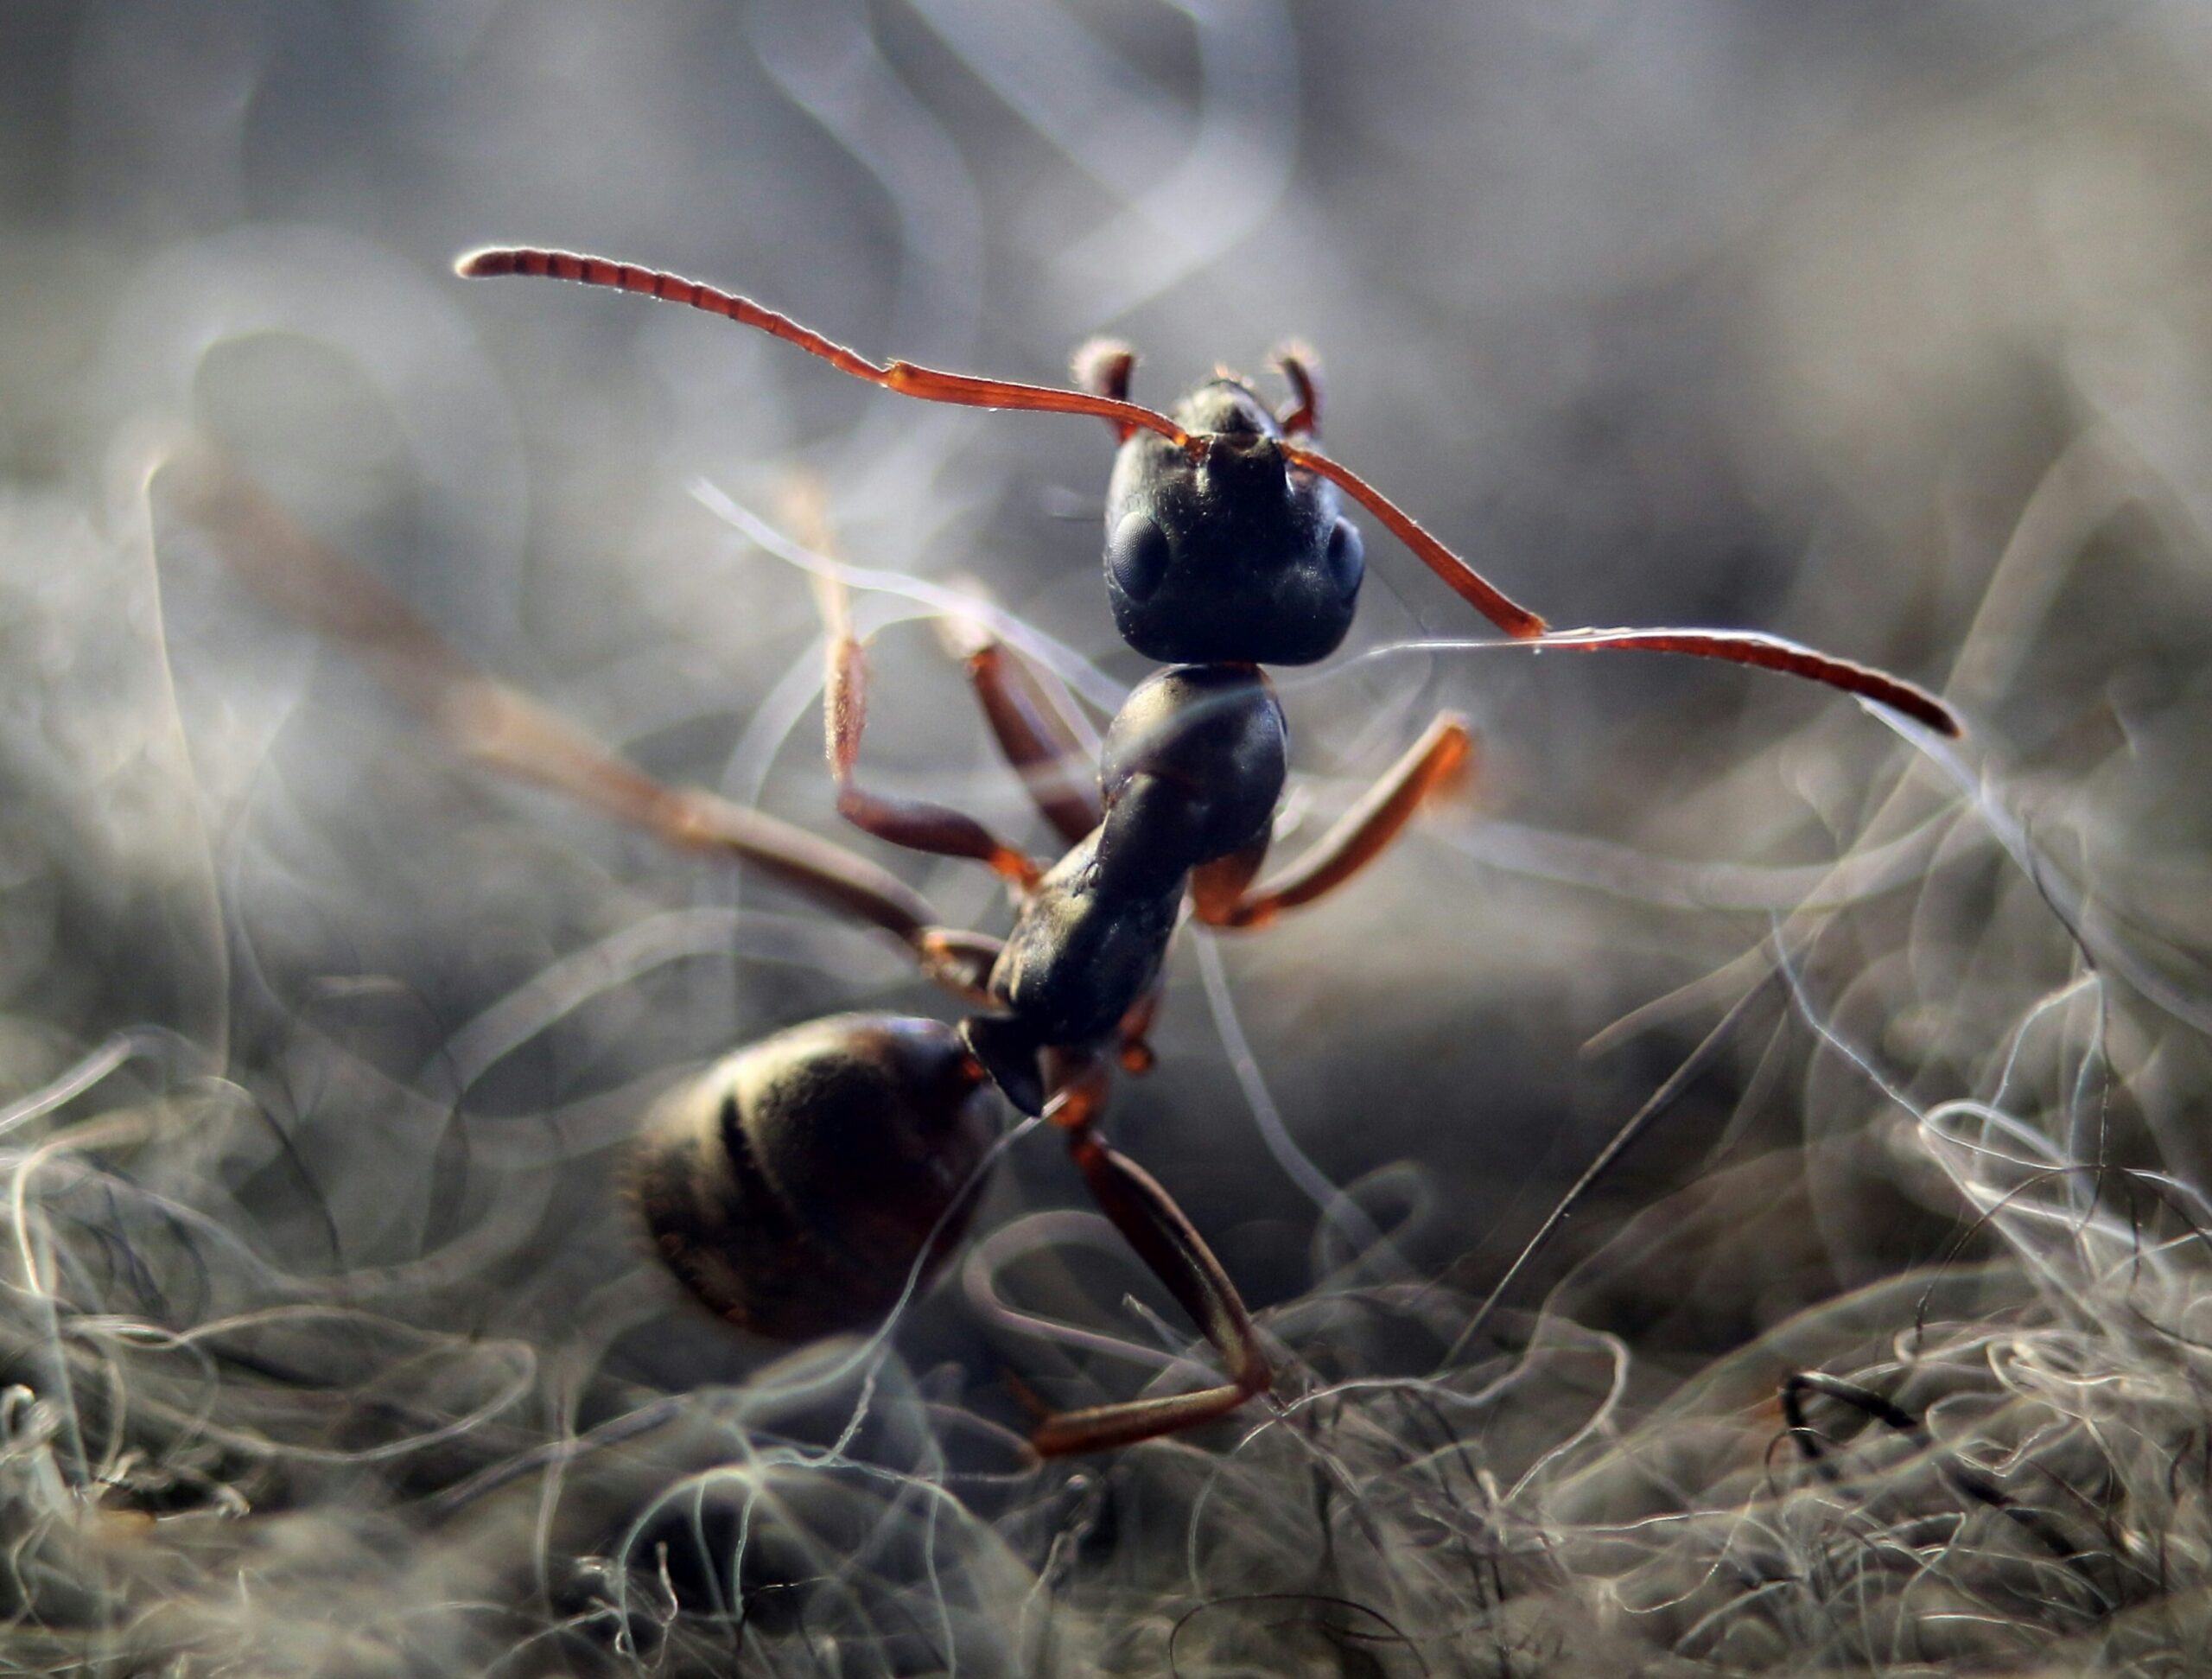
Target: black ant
794, 1188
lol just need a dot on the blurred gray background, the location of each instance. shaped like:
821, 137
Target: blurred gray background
1884, 327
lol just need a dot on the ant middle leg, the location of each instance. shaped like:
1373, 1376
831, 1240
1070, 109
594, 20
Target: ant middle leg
1148, 1218
1221, 892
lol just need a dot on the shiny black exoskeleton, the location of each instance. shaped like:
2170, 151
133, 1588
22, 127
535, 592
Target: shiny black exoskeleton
1233, 557
792, 1186
1193, 768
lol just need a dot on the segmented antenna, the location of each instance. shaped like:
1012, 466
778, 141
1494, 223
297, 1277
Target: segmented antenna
965, 390
1772, 653
906, 377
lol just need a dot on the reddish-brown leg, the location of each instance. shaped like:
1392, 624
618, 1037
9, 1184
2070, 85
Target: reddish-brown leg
1032, 717
1218, 888
504, 729
1445, 752
1164, 1239
916, 823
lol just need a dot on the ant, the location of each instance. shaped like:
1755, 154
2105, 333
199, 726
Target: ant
796, 1188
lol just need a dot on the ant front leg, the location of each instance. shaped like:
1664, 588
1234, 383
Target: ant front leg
1032, 718
918, 824
1147, 1217
1221, 891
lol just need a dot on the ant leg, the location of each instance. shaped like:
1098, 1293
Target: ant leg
1035, 721
499, 726
918, 824
1445, 751
1135, 1032
1302, 368
1148, 1217
1218, 888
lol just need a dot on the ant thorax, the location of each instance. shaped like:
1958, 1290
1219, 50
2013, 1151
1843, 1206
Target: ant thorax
1192, 767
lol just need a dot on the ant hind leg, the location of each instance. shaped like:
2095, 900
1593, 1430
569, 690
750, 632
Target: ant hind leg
1165, 1240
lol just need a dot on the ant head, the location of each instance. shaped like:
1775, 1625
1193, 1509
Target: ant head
1230, 554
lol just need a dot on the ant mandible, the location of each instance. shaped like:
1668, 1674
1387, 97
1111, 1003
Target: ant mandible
794, 1187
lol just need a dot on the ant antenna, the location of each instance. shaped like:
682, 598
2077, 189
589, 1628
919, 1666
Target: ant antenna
1463, 581
933, 384
966, 390
1772, 653
905, 377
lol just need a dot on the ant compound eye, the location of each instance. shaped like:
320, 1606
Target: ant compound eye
1347, 559
1136, 556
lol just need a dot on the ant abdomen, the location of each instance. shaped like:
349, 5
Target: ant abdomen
793, 1186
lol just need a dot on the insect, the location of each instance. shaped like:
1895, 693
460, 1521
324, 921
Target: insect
794, 1187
